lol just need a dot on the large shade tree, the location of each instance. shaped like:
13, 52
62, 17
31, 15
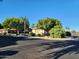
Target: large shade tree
53, 26
16, 23
48, 23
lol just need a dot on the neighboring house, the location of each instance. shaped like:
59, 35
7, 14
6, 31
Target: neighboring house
3, 31
39, 31
75, 34
14, 31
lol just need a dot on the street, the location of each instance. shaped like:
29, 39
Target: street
33, 48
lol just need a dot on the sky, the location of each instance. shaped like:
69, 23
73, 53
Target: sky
67, 11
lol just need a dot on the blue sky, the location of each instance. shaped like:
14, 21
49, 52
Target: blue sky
65, 10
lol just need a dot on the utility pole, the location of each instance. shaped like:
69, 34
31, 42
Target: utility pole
24, 26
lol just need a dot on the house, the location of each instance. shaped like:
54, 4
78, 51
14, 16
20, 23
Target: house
39, 31
12, 31
75, 34
3, 31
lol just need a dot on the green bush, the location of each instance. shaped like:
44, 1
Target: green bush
67, 33
31, 34
27, 32
57, 33
5, 33
39, 35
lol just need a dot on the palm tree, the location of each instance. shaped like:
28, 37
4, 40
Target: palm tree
33, 25
67, 28
26, 23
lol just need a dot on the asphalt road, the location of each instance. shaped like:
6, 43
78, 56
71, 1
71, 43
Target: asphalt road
33, 48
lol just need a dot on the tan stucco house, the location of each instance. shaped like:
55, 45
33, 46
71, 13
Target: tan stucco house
39, 31
2, 31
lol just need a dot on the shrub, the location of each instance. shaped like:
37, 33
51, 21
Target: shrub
27, 32
67, 33
5, 33
57, 33
39, 35
31, 34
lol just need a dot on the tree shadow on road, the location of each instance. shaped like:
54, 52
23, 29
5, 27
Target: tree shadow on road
4, 54
74, 48
9, 40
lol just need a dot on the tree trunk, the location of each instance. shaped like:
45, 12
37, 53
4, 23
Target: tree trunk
24, 26
17, 31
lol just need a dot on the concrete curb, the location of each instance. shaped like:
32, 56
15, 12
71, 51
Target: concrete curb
46, 38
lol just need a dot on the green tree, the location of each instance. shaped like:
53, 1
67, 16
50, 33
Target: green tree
7, 22
67, 29
67, 33
25, 23
16, 23
48, 23
57, 32
1, 26
33, 25
40, 24
52, 25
